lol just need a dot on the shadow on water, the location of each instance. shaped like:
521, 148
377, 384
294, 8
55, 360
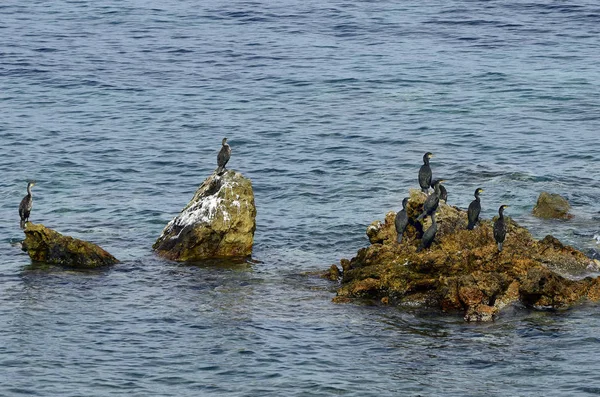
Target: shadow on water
47, 268
236, 264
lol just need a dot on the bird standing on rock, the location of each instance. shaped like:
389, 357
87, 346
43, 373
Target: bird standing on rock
429, 235
474, 209
223, 156
443, 193
401, 220
425, 173
432, 201
26, 205
500, 228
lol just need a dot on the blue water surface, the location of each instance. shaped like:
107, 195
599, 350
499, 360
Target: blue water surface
117, 110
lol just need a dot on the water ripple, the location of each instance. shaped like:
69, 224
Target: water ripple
118, 111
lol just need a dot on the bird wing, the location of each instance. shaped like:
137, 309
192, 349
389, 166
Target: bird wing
222, 157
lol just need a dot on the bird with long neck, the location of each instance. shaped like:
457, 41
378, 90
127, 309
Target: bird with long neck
26, 205
443, 193
425, 173
474, 209
429, 235
432, 201
401, 220
500, 228
223, 156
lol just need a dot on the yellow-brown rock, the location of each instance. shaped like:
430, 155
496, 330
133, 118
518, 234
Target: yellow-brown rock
219, 222
49, 246
333, 274
463, 270
552, 206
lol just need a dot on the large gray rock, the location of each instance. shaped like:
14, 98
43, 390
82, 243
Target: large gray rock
552, 206
219, 222
49, 246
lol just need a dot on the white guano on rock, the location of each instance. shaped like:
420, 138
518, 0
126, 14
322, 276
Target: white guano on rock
219, 222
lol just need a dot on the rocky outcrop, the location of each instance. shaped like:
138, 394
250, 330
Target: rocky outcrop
463, 271
552, 206
219, 222
49, 246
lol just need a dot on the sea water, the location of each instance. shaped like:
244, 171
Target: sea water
117, 110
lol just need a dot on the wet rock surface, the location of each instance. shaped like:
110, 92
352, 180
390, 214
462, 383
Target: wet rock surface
49, 246
219, 222
463, 271
552, 206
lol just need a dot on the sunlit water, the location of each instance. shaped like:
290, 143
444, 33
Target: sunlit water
117, 110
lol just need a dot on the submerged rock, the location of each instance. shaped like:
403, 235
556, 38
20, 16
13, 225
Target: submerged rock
552, 206
219, 222
46, 245
463, 271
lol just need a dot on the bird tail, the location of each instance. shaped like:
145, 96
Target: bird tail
470, 226
22, 224
425, 189
219, 170
500, 247
419, 248
421, 216
399, 239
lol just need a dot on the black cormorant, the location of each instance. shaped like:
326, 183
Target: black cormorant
429, 235
500, 228
223, 156
443, 193
401, 220
25, 206
425, 173
432, 201
474, 210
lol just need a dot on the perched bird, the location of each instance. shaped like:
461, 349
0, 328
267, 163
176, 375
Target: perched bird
425, 173
443, 193
429, 235
432, 201
223, 156
25, 206
474, 210
500, 228
401, 219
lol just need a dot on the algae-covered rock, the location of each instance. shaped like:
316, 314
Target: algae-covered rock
463, 270
552, 206
46, 245
333, 274
219, 222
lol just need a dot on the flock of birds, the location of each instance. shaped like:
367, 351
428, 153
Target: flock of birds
27, 202
425, 181
431, 205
